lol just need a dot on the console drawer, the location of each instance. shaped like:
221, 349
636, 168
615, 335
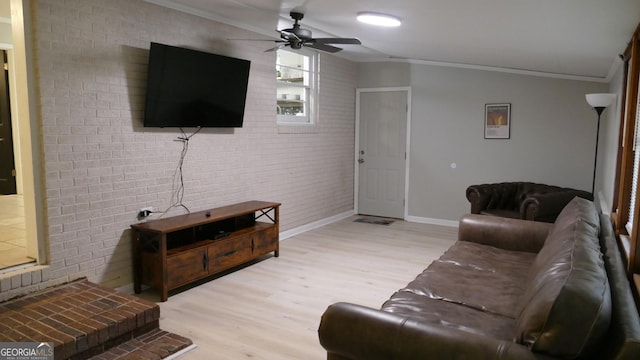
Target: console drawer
228, 253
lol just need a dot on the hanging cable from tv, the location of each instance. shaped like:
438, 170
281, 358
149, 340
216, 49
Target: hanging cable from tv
177, 186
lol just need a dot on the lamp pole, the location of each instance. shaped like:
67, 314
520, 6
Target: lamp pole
598, 102
599, 110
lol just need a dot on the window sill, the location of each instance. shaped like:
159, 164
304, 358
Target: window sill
636, 288
625, 248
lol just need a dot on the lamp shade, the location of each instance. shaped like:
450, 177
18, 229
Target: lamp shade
600, 100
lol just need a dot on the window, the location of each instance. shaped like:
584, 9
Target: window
296, 76
626, 205
636, 171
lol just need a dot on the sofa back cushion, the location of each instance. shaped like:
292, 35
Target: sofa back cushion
511, 195
566, 307
622, 341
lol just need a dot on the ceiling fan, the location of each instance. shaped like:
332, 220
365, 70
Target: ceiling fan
297, 38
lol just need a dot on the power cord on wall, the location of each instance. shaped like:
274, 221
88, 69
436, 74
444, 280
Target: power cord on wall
178, 178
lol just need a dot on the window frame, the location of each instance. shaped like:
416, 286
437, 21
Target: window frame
312, 90
629, 240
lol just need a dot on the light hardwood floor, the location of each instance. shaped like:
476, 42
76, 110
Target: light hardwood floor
271, 309
13, 247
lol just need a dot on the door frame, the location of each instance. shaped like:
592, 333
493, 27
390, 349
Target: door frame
24, 111
356, 176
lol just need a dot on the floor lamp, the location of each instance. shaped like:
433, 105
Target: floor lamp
598, 102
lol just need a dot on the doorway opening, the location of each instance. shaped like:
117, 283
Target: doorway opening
7, 162
21, 217
13, 242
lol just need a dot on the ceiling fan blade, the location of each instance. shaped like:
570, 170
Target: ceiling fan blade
277, 47
323, 47
272, 40
352, 41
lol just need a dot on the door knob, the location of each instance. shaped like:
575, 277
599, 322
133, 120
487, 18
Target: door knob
361, 161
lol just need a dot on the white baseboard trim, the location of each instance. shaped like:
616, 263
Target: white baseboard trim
316, 224
423, 220
128, 288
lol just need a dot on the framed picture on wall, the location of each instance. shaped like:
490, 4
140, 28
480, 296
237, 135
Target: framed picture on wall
497, 121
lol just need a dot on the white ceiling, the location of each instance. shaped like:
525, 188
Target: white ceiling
565, 38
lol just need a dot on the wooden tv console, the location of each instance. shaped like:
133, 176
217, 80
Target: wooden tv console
173, 252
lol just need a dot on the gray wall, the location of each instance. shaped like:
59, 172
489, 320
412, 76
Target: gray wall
552, 133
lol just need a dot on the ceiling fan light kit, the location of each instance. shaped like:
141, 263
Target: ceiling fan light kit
378, 19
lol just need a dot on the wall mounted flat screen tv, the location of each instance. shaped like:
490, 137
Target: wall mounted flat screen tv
190, 88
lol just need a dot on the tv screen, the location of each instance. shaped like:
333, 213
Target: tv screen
190, 88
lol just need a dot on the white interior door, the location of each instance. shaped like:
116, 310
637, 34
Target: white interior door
381, 153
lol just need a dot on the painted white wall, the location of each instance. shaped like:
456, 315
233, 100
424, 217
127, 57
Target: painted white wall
552, 133
101, 165
387, 74
5, 24
608, 149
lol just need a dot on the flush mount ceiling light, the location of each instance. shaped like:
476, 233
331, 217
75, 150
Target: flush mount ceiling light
378, 19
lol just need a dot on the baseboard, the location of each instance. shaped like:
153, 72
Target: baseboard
316, 224
432, 221
128, 288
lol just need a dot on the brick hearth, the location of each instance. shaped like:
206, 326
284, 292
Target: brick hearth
83, 319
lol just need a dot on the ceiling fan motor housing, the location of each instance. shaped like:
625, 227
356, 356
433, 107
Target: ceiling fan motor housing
302, 34
297, 37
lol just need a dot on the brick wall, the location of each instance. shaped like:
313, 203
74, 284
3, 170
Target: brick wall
102, 166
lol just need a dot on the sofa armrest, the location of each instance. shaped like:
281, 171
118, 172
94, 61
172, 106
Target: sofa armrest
547, 206
504, 233
349, 331
480, 196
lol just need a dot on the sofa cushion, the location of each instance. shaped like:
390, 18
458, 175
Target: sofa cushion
478, 271
471, 302
451, 315
566, 307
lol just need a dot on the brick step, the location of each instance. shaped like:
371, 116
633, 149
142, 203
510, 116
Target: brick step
82, 319
156, 344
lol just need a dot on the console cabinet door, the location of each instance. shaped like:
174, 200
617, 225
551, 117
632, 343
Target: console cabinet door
227, 253
184, 267
265, 241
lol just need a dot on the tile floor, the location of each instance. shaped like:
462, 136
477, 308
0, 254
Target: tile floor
13, 249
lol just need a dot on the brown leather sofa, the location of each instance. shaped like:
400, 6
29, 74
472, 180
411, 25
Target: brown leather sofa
522, 200
507, 289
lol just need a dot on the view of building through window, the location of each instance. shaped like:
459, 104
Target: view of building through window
295, 86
